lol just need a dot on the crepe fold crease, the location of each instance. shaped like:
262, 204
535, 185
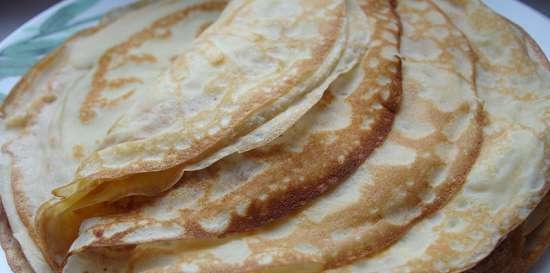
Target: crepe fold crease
296, 136
245, 80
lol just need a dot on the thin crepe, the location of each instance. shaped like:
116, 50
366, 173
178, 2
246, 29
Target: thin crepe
439, 243
244, 81
12, 250
245, 191
510, 176
41, 113
523, 247
435, 139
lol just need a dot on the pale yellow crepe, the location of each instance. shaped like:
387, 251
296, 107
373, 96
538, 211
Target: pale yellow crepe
510, 175
424, 160
43, 140
243, 192
446, 187
244, 81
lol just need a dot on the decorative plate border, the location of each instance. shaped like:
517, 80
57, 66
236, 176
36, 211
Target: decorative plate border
39, 36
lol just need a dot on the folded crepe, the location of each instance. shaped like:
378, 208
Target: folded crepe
423, 157
242, 82
431, 147
273, 71
41, 127
244, 191
510, 176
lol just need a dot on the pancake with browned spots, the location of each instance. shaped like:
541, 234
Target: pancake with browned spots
245, 191
41, 114
433, 143
244, 81
510, 175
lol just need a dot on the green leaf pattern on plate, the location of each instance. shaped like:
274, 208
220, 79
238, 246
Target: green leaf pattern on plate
18, 57
63, 16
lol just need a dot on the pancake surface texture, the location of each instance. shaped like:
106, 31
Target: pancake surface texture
42, 113
242, 82
334, 230
244, 191
296, 136
510, 175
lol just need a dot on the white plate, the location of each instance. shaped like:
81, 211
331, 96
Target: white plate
44, 32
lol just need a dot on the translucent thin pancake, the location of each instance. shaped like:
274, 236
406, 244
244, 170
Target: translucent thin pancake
424, 160
510, 175
229, 92
12, 250
245, 191
243, 82
523, 247
429, 154
43, 138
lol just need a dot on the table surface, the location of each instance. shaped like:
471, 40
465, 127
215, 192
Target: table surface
14, 13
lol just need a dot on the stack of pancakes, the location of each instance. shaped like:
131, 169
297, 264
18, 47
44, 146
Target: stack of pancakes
290, 136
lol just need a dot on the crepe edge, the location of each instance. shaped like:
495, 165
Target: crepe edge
14, 254
504, 255
509, 241
49, 59
19, 264
523, 247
